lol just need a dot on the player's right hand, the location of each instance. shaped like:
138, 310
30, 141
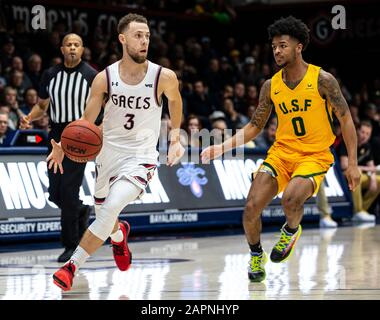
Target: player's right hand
25, 122
211, 152
55, 157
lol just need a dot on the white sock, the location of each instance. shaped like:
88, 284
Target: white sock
118, 236
79, 257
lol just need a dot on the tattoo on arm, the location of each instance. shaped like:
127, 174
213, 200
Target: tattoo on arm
329, 89
264, 109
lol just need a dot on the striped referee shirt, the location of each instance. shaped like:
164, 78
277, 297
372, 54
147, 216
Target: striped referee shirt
68, 90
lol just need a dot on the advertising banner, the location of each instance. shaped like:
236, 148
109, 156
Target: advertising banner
186, 194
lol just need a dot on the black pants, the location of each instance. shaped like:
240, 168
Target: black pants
64, 192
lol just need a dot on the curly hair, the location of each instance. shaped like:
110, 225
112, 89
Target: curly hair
292, 27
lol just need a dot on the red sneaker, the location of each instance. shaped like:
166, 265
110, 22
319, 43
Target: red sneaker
121, 253
63, 278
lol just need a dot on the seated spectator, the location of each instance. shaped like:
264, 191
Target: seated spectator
219, 132
20, 83
239, 98
213, 77
251, 111
14, 111
30, 99
6, 134
354, 110
3, 81
370, 181
35, 70
7, 52
42, 123
192, 128
249, 74
236, 120
371, 114
252, 95
265, 139
200, 103
226, 72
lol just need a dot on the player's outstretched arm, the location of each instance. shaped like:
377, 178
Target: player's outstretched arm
170, 87
329, 89
94, 103
248, 132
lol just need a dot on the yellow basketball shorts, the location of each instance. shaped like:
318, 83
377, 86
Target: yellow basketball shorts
284, 165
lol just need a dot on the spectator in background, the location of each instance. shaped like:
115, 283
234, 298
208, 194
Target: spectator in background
42, 123
7, 52
87, 57
3, 81
252, 95
6, 134
15, 113
249, 74
250, 111
219, 127
18, 82
236, 64
35, 69
30, 99
265, 140
213, 78
239, 98
226, 73
354, 110
235, 119
371, 114
228, 92
192, 128
200, 103
370, 181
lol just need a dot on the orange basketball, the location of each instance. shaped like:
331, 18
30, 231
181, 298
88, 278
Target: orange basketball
81, 141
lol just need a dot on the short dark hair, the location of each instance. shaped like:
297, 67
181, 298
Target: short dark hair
292, 27
365, 123
126, 20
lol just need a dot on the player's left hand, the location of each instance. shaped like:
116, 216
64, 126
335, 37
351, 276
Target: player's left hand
175, 153
353, 176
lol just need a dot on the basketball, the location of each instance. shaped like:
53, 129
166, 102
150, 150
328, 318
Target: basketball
81, 141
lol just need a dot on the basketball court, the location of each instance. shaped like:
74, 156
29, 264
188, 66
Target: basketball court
327, 264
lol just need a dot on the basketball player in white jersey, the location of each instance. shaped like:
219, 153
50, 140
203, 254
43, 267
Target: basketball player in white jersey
131, 123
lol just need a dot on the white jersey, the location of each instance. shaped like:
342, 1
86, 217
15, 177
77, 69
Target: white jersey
132, 114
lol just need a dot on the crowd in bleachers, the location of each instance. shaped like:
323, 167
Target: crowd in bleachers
219, 87
219, 83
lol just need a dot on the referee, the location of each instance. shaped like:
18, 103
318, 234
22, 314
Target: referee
64, 90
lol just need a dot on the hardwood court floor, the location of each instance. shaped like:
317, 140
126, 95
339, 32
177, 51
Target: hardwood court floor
326, 264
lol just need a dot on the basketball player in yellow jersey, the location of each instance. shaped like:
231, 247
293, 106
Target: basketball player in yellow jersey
304, 97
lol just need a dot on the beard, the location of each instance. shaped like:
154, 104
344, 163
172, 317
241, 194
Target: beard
135, 57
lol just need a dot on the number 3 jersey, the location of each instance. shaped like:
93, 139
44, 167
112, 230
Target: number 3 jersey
304, 117
132, 114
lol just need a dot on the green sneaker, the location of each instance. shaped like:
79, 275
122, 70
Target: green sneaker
256, 270
284, 247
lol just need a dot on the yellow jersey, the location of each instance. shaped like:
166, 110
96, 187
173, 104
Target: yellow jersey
304, 117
